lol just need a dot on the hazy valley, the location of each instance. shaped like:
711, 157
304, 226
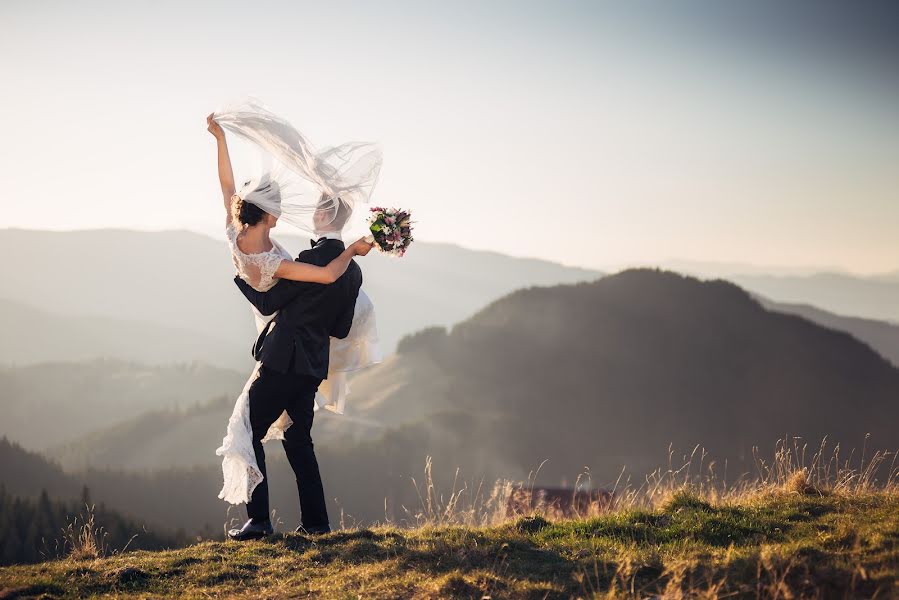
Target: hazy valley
492, 376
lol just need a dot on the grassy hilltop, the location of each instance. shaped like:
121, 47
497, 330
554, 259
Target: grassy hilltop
787, 544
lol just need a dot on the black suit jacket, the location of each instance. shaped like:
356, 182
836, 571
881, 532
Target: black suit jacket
298, 339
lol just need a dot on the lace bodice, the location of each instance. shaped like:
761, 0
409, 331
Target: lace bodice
258, 270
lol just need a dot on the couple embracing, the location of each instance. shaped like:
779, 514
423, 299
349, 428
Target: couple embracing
314, 322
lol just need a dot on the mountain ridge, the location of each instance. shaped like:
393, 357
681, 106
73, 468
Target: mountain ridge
881, 336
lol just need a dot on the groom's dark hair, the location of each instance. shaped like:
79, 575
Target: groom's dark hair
341, 211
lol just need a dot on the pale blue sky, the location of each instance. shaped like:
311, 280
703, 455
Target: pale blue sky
590, 133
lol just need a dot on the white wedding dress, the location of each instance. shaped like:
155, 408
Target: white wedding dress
358, 350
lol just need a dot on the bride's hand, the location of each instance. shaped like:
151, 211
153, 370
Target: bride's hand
361, 247
214, 128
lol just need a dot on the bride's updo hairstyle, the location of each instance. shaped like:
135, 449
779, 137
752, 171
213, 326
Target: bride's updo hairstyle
243, 210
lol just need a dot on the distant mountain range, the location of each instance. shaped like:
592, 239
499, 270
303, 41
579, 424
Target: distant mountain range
882, 336
162, 438
870, 298
32, 336
705, 269
51, 403
168, 296
137, 296
600, 374
154, 439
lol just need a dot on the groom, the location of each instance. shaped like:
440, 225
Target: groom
293, 350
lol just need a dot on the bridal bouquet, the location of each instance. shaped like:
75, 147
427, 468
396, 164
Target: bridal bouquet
391, 229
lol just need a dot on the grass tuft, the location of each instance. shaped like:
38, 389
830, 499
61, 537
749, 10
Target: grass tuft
82, 538
799, 483
684, 499
531, 524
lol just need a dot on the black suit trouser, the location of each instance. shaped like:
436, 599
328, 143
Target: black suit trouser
270, 394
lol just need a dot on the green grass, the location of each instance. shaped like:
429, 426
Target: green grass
779, 545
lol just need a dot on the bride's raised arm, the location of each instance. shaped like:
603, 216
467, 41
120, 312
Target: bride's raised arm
226, 175
298, 271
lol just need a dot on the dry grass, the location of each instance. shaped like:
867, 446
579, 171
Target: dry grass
465, 503
794, 469
82, 538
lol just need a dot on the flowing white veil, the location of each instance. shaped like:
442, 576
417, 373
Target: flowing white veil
315, 189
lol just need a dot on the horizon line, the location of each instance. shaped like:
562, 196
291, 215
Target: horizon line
683, 265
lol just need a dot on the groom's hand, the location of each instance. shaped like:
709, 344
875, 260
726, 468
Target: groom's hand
361, 247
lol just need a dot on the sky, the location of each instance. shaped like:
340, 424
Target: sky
591, 133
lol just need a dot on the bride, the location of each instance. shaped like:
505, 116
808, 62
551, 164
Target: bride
261, 262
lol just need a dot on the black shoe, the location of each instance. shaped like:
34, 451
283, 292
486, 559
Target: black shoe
321, 530
251, 531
